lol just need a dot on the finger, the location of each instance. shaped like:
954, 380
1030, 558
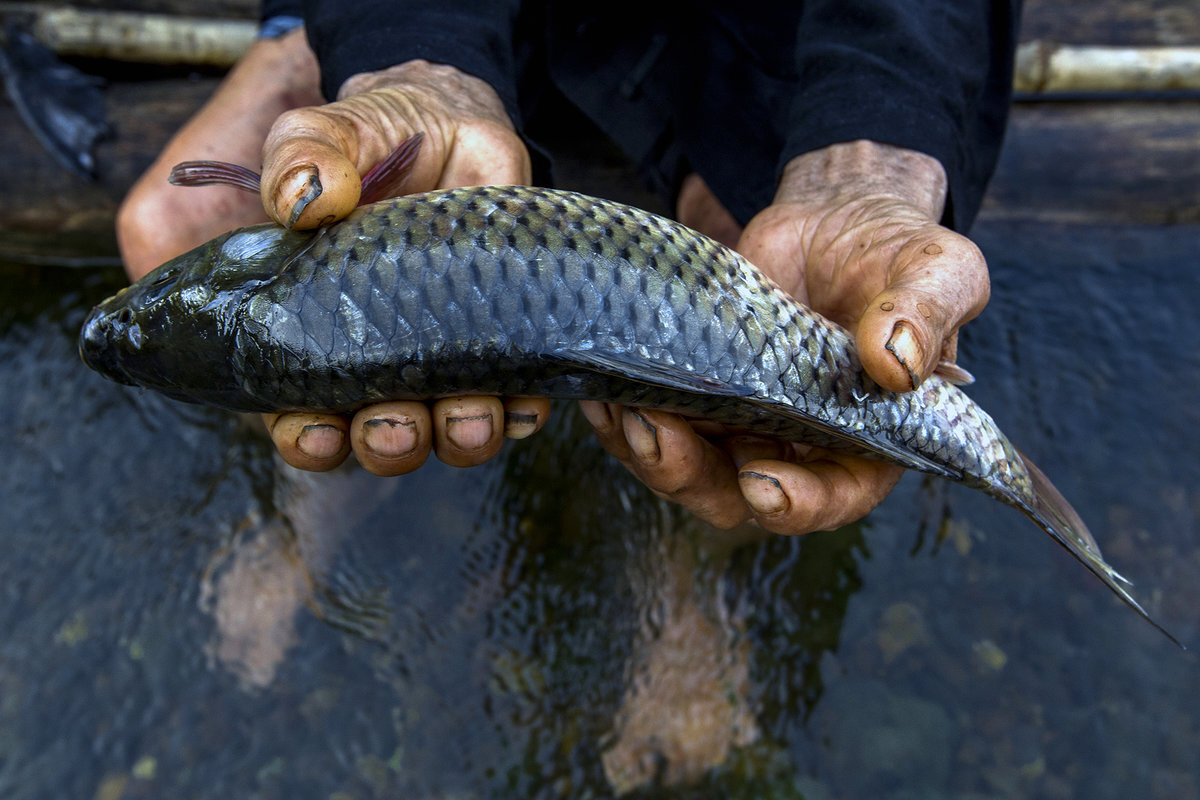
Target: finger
468, 430
606, 421
525, 416
309, 175
815, 495
939, 283
313, 442
392, 438
668, 456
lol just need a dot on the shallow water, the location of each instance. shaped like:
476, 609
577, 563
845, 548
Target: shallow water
184, 617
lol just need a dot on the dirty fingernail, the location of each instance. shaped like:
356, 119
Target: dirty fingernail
320, 441
390, 438
643, 439
469, 433
764, 493
907, 350
296, 190
519, 426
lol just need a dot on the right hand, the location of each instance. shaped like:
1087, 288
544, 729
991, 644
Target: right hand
852, 233
469, 141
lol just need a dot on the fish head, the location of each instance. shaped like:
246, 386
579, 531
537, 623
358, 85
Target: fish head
175, 329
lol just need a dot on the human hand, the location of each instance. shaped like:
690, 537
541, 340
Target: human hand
853, 233
468, 141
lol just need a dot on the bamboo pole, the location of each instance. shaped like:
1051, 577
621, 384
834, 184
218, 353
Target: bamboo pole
143, 38
1046, 67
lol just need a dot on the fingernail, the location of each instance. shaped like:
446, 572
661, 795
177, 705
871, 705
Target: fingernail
320, 441
469, 433
519, 426
296, 190
642, 438
764, 493
907, 350
390, 438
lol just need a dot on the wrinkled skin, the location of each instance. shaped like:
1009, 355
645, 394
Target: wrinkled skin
852, 232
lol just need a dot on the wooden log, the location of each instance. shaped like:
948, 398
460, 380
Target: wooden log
1117, 23
1099, 163
51, 215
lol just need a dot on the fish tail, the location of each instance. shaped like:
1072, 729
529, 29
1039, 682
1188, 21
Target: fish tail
1050, 510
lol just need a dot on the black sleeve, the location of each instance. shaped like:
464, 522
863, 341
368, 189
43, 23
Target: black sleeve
927, 75
476, 36
280, 8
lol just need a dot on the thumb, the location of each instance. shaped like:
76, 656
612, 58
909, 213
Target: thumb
309, 177
939, 281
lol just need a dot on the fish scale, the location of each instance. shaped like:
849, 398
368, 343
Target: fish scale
528, 291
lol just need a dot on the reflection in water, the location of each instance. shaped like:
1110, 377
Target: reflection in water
255, 587
684, 699
572, 583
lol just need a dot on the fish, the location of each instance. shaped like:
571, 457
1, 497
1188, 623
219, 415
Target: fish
527, 291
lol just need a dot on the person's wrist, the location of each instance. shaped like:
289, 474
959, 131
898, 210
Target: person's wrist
287, 63
847, 171
300, 66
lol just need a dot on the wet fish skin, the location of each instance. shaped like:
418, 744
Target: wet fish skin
527, 291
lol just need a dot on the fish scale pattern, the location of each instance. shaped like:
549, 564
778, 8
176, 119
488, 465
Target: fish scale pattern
497, 289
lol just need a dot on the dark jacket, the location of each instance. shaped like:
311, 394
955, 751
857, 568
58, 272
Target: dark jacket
729, 90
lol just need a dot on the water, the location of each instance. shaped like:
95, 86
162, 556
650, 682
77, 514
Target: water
184, 617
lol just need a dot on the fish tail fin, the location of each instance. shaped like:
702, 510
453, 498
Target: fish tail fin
1050, 510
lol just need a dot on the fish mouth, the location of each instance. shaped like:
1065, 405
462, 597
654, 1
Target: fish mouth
99, 338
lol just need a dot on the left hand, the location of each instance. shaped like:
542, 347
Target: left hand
852, 233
